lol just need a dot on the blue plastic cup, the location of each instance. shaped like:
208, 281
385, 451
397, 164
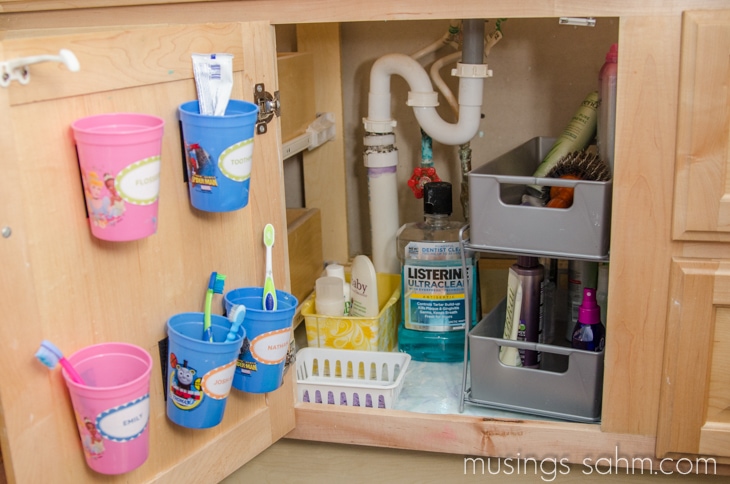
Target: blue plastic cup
260, 366
199, 373
219, 155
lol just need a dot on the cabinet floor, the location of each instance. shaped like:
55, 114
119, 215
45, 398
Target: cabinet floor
296, 461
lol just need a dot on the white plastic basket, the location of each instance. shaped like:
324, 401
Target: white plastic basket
350, 377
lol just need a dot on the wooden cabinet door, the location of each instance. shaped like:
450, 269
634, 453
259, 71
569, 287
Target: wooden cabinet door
694, 413
62, 284
702, 193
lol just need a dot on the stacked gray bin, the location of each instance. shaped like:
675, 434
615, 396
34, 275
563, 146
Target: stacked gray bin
501, 224
569, 383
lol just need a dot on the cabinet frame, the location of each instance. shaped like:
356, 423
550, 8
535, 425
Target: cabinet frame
649, 35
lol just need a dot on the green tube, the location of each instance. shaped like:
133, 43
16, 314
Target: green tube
576, 136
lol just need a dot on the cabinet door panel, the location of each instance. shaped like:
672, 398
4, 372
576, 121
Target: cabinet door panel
702, 194
695, 399
61, 284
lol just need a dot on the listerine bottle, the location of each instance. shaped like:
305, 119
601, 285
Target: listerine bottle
433, 316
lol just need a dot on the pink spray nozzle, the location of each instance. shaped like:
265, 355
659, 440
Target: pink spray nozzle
589, 312
612, 54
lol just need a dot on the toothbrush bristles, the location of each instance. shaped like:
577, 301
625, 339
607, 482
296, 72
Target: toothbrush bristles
48, 354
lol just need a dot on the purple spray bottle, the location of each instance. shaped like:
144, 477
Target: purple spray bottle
589, 333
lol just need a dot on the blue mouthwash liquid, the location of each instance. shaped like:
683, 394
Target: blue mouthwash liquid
433, 317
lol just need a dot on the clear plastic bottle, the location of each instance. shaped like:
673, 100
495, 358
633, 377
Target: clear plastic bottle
432, 292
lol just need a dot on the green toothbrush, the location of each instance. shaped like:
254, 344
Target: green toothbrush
269, 299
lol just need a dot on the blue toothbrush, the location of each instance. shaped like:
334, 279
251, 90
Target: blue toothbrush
215, 286
235, 316
50, 355
269, 299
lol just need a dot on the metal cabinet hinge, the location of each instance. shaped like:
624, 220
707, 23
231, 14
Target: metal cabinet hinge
269, 106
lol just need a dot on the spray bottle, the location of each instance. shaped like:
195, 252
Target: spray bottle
588, 333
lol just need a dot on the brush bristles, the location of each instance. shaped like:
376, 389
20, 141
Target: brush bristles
583, 165
220, 281
47, 354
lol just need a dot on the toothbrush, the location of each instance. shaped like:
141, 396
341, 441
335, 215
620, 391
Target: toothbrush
215, 286
235, 316
269, 299
50, 355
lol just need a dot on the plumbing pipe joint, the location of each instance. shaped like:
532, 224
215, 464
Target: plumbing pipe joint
423, 99
379, 126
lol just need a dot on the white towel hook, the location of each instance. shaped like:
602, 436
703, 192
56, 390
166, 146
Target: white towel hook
17, 69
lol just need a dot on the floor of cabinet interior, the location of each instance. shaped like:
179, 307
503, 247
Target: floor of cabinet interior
304, 461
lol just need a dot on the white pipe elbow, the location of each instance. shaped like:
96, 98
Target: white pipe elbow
470, 99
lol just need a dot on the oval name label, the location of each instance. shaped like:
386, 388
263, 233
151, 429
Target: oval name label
235, 161
125, 422
139, 183
217, 382
271, 348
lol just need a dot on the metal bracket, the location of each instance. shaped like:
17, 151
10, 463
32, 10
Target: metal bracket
269, 106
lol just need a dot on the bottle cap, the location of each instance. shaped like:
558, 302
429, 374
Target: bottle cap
335, 270
589, 312
612, 54
437, 198
527, 262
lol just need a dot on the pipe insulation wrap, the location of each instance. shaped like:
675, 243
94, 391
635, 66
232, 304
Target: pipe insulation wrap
381, 158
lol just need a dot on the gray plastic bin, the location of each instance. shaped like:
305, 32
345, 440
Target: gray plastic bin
500, 224
568, 386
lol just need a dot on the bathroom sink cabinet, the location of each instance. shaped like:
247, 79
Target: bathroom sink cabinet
666, 389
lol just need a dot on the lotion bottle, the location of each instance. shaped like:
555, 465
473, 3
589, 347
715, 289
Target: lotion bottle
363, 288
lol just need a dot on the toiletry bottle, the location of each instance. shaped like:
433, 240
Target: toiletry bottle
549, 288
433, 314
606, 122
581, 274
363, 288
328, 297
602, 290
531, 274
589, 334
338, 271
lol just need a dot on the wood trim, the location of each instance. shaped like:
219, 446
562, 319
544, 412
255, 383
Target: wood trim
641, 222
34, 13
462, 434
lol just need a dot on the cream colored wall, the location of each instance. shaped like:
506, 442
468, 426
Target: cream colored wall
542, 71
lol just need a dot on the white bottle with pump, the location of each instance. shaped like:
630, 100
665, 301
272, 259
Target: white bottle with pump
338, 271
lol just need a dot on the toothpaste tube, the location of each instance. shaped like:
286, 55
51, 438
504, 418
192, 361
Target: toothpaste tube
213, 81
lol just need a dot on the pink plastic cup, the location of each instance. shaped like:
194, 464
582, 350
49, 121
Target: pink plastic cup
112, 407
119, 156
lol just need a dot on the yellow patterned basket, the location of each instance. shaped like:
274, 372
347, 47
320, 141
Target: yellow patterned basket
348, 333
